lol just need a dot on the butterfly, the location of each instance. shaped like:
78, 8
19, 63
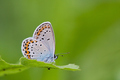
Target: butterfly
41, 46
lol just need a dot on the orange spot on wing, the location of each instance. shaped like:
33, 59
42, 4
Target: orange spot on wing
48, 26
38, 33
45, 27
26, 49
36, 37
27, 44
28, 56
27, 52
40, 30
31, 41
35, 41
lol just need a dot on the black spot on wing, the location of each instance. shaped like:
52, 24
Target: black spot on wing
48, 39
40, 44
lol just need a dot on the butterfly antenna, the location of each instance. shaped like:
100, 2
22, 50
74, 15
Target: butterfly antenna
61, 54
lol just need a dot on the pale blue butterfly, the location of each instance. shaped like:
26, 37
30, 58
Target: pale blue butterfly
42, 45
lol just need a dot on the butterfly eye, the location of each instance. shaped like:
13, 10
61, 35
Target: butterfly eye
55, 57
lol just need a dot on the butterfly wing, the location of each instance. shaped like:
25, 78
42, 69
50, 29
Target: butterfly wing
44, 33
33, 49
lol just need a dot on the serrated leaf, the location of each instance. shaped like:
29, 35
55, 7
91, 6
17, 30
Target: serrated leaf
35, 63
6, 68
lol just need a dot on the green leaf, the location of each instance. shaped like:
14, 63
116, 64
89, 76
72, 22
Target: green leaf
35, 63
6, 68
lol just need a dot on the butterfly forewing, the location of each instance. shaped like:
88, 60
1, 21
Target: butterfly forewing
44, 33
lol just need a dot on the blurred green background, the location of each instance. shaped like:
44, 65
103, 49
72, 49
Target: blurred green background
88, 29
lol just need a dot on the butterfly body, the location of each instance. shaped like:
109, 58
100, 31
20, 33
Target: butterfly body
42, 45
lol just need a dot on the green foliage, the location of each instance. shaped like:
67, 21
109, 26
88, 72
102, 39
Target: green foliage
6, 68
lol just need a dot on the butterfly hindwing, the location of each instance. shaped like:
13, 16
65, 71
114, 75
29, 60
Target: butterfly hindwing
33, 49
